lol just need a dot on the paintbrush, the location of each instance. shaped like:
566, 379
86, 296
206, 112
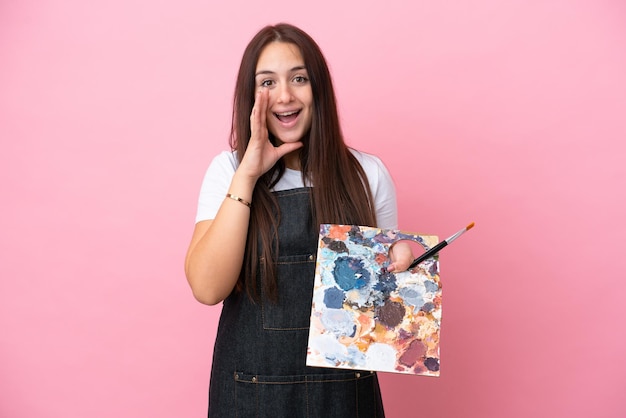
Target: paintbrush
439, 246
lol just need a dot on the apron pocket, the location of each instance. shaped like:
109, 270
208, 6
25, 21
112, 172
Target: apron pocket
334, 395
295, 292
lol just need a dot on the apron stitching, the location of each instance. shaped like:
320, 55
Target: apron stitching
306, 391
256, 391
235, 397
356, 394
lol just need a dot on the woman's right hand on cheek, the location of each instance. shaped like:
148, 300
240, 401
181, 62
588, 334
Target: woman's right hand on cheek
261, 154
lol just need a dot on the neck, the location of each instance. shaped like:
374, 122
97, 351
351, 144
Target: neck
292, 160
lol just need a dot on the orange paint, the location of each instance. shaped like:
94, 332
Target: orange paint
339, 231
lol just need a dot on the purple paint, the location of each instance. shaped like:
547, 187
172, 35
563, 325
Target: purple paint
336, 246
390, 314
428, 307
432, 364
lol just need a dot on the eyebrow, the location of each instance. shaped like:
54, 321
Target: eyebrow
297, 68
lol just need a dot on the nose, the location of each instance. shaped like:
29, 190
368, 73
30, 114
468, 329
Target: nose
284, 93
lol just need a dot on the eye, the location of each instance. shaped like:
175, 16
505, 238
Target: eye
300, 79
267, 83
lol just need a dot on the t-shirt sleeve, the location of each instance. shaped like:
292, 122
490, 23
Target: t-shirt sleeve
385, 199
215, 185
383, 190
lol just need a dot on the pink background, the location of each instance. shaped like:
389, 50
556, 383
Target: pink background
507, 113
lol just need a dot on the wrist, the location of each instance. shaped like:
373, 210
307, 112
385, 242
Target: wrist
242, 186
238, 199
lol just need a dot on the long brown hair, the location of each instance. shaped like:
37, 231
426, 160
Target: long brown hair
324, 159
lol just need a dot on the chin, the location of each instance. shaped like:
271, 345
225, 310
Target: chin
289, 139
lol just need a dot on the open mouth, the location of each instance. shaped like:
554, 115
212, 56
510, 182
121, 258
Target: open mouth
287, 117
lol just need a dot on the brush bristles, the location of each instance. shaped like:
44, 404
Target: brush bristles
470, 226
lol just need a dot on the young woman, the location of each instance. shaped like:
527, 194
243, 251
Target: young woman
255, 240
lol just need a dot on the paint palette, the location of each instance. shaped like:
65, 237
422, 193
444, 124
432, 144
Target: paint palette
364, 317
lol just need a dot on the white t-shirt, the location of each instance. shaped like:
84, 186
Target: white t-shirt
221, 170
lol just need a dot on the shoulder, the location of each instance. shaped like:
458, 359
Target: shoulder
372, 165
382, 187
225, 160
364, 156
223, 164
215, 184
378, 175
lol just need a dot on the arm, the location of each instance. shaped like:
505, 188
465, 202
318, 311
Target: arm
384, 190
215, 255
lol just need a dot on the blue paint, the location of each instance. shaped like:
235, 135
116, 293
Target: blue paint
431, 286
386, 283
338, 322
412, 297
350, 273
333, 298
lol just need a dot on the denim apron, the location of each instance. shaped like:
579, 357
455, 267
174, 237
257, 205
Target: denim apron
259, 361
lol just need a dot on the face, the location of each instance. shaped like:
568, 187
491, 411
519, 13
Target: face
280, 69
